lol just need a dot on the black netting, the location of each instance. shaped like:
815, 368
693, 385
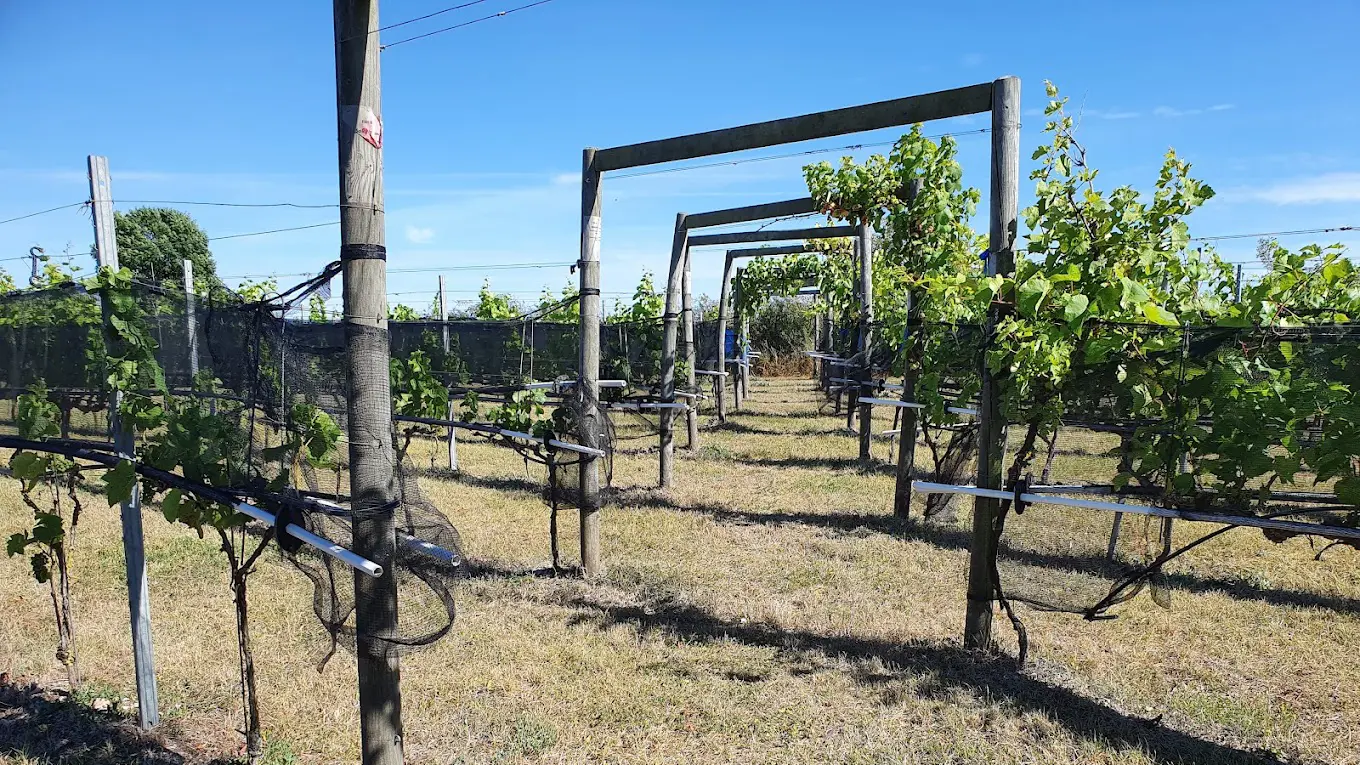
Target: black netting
1232, 426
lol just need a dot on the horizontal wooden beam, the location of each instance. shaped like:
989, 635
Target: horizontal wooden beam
760, 252
773, 235
940, 105
750, 213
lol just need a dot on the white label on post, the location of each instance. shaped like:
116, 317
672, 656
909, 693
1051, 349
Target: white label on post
591, 226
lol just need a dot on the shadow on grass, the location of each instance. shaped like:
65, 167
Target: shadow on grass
802, 414
39, 726
941, 671
496, 483
742, 428
818, 463
491, 569
948, 538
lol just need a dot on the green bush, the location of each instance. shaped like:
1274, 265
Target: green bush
783, 327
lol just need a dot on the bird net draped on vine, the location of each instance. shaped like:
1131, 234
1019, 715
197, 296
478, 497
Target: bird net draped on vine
259, 374
1226, 423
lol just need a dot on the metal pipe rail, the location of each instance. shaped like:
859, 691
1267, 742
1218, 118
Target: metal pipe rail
710, 373
412, 542
556, 385
323, 545
645, 405
493, 430
913, 405
326, 546
1297, 527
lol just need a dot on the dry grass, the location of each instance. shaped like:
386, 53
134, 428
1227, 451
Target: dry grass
767, 609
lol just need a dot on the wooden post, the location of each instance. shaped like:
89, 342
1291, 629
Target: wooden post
363, 253
130, 512
738, 337
691, 357
588, 383
816, 332
907, 422
1005, 189
444, 331
866, 335
668, 343
191, 318
852, 373
724, 297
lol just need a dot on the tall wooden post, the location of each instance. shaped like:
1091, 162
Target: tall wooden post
816, 332
866, 335
191, 319
724, 296
691, 357
679, 245
739, 368
851, 372
444, 332
124, 440
907, 422
371, 457
588, 384
1005, 189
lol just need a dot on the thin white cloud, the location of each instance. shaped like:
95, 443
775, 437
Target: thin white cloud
1171, 111
1111, 114
1320, 189
973, 59
417, 235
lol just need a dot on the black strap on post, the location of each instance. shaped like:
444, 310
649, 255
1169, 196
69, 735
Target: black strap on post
350, 252
1021, 487
288, 513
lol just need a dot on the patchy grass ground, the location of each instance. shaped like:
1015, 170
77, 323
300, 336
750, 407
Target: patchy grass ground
767, 609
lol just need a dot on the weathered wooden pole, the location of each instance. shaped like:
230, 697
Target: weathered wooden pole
190, 319
866, 335
816, 332
371, 457
124, 440
724, 297
1005, 191
691, 360
738, 343
668, 342
444, 332
850, 372
588, 383
907, 422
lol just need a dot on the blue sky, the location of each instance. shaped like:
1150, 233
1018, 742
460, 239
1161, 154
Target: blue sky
484, 125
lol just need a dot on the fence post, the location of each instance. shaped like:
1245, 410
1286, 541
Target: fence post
588, 384
907, 422
444, 332
691, 360
668, 342
738, 343
724, 296
866, 335
190, 319
363, 253
1005, 189
124, 440
850, 371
